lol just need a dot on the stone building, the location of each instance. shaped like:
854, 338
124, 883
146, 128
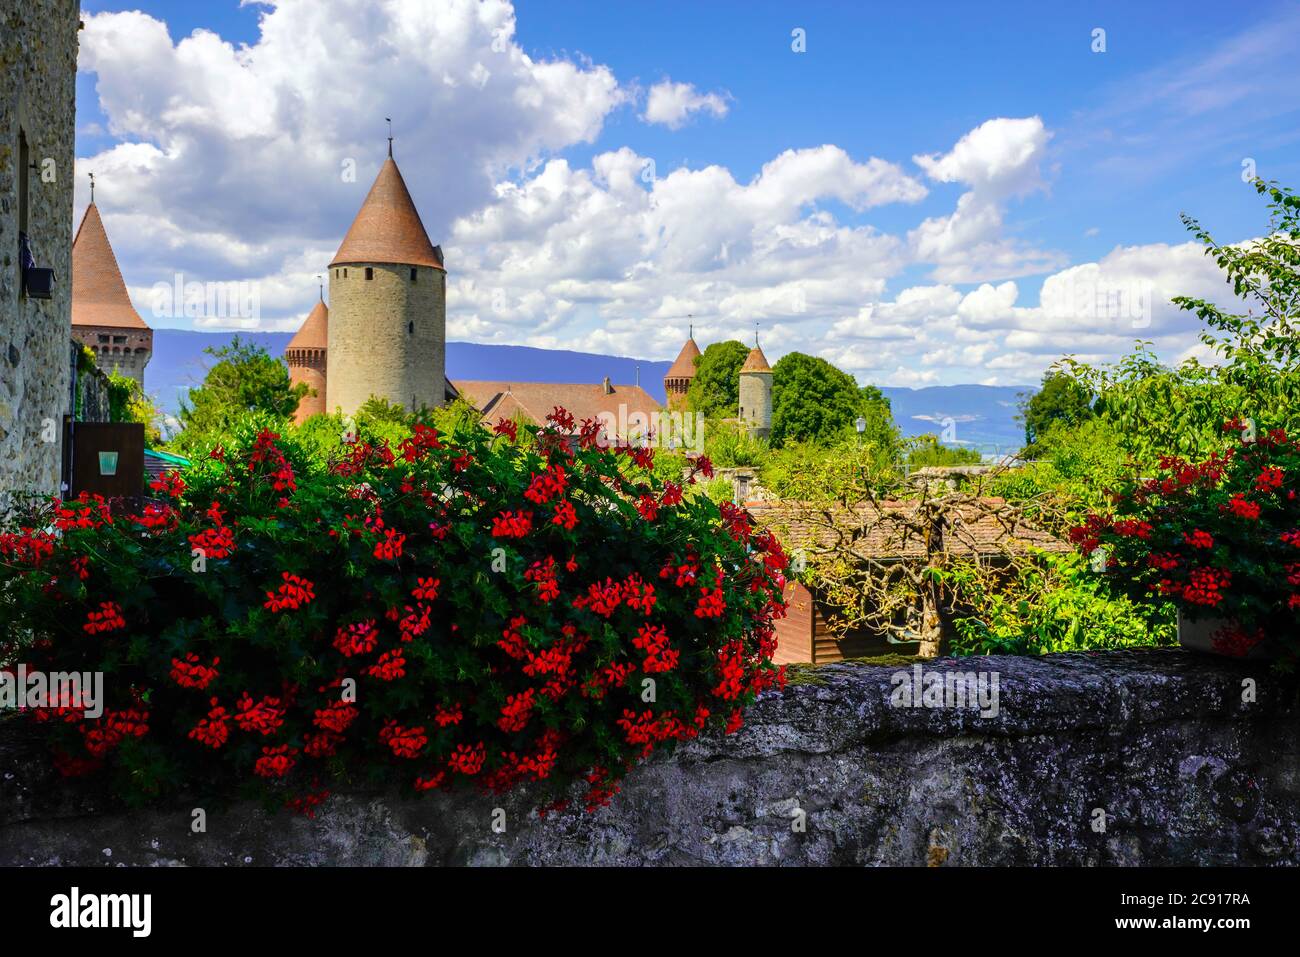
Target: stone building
103, 318
756, 393
681, 372
306, 355
388, 305
38, 69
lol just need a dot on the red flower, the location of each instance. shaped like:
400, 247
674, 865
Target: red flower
445, 716
294, 593
390, 667
214, 730
1239, 505
190, 674
507, 427
275, 762
512, 524
358, 638
336, 717
565, 516
263, 717
468, 760
1198, 539
427, 589
403, 742
107, 618
516, 711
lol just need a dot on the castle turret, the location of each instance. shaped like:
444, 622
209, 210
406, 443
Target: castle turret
756, 392
306, 356
681, 372
102, 315
388, 305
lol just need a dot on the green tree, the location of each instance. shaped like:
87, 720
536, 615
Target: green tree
127, 402
813, 401
245, 379
927, 450
1062, 400
1159, 410
715, 390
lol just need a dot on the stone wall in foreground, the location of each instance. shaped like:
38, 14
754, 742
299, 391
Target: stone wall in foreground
1159, 741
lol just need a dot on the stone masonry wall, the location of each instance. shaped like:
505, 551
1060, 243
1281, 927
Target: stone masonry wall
1163, 745
38, 64
373, 349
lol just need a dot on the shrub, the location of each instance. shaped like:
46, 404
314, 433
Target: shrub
1219, 539
497, 610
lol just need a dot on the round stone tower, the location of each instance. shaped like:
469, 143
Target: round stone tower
388, 305
306, 356
756, 393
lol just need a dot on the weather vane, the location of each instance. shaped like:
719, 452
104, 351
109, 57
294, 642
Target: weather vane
390, 134
92, 186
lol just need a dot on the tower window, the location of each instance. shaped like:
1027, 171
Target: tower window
345, 273
412, 274
410, 328
370, 272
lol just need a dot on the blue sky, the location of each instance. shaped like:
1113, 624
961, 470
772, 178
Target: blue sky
1160, 122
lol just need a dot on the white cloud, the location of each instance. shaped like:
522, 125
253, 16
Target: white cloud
228, 165
671, 104
998, 160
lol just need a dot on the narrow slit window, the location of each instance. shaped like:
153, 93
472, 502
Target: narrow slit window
412, 274
370, 272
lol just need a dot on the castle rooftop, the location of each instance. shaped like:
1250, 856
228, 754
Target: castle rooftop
388, 227
99, 296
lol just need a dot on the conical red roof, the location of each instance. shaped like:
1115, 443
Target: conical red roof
388, 227
683, 366
314, 331
99, 296
756, 361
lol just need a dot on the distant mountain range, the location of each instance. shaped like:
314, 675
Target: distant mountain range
974, 415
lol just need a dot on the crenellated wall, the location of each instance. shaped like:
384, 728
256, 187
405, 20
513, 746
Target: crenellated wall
1116, 758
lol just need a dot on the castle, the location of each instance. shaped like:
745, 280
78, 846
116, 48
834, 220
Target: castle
755, 411
384, 332
103, 319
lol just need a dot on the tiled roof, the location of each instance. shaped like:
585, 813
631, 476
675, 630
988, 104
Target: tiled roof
314, 331
99, 296
388, 227
989, 529
756, 361
683, 366
498, 400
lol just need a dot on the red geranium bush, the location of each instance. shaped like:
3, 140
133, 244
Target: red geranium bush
509, 607
1220, 539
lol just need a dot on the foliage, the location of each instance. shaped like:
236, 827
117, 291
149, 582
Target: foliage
1062, 401
1075, 468
1050, 605
1219, 539
1161, 411
923, 450
807, 472
730, 445
813, 401
244, 379
490, 610
715, 390
127, 402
